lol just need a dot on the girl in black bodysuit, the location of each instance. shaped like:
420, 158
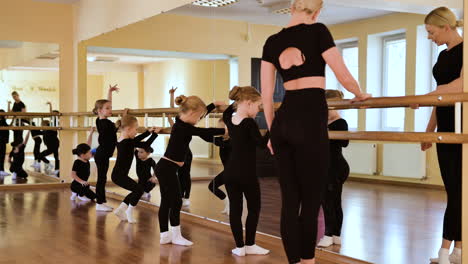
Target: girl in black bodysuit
441, 25
144, 164
107, 140
192, 109
125, 150
299, 133
239, 175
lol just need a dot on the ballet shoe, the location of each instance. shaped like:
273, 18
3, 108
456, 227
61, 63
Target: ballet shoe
166, 238
178, 239
443, 258
239, 251
73, 196
326, 241
256, 250
103, 208
337, 240
185, 202
454, 258
129, 213
120, 212
226, 206
84, 198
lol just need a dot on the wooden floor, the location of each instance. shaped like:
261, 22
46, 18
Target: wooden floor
46, 227
382, 224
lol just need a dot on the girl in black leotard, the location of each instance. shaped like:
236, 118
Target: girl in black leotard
125, 150
4, 138
338, 172
107, 140
299, 133
144, 164
441, 25
192, 109
239, 176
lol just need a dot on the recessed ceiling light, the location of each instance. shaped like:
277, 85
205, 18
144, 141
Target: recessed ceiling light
214, 3
283, 11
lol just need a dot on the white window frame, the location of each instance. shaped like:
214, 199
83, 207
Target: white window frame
383, 115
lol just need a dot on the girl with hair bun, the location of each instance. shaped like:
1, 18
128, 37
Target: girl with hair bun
441, 25
239, 175
107, 140
191, 110
80, 174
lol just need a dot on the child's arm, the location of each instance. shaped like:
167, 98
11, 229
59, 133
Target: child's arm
171, 103
9, 106
111, 90
50, 106
90, 136
153, 179
76, 178
27, 138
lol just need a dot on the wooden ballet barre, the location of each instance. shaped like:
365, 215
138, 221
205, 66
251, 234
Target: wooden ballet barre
29, 114
402, 101
29, 128
447, 138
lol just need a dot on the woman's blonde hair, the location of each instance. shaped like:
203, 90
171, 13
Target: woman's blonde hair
308, 6
442, 16
334, 94
244, 93
126, 121
99, 104
191, 103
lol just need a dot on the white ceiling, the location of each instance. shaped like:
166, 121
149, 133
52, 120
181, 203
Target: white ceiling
254, 12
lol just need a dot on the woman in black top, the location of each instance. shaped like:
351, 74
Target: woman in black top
192, 109
225, 147
299, 133
338, 172
80, 174
144, 164
16, 158
125, 150
4, 138
52, 143
18, 106
441, 25
239, 176
107, 140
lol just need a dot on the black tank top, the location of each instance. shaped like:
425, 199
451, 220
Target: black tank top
447, 68
312, 40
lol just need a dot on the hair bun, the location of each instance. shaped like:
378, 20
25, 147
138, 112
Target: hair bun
180, 100
234, 93
75, 152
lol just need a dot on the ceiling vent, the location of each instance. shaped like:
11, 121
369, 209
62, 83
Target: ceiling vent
214, 3
282, 8
103, 59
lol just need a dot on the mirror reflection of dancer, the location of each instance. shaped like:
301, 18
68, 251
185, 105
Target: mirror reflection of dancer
299, 132
18, 106
16, 158
4, 138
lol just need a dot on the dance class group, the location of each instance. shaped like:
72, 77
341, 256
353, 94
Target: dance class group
310, 167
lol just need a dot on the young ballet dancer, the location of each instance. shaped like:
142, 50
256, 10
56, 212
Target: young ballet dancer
16, 158
338, 172
192, 109
18, 106
225, 148
441, 25
4, 138
240, 172
126, 145
299, 133
52, 143
80, 174
36, 136
144, 164
185, 177
107, 140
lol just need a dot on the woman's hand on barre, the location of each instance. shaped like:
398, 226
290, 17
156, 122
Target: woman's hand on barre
361, 97
425, 146
155, 129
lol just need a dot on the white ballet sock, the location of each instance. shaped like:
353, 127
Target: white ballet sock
444, 256
326, 241
13, 176
336, 240
455, 257
103, 208
166, 238
73, 196
84, 198
185, 202
108, 206
178, 239
239, 251
146, 195
256, 250
226, 206
129, 213
120, 211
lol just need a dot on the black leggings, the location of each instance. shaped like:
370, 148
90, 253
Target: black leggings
185, 177
18, 169
171, 197
236, 192
215, 184
50, 150
146, 185
124, 181
2, 156
81, 190
102, 165
37, 148
299, 135
450, 163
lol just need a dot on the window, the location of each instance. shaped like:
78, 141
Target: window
350, 53
394, 80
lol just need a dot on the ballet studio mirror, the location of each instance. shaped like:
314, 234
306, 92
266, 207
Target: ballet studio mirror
29, 81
